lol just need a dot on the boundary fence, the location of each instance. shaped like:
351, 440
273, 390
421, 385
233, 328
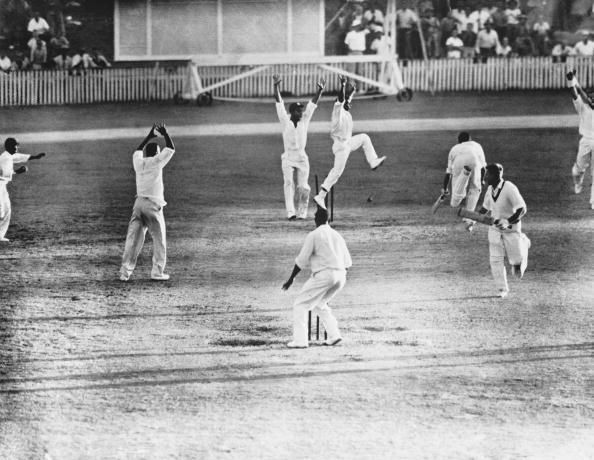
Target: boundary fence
160, 83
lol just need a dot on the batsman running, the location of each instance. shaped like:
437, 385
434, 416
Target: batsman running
465, 171
583, 104
504, 203
344, 142
294, 160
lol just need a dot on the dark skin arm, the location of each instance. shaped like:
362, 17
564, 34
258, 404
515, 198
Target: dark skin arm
341, 91
162, 130
321, 85
147, 139
446, 183
277, 82
287, 285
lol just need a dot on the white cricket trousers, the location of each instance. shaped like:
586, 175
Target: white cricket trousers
301, 170
514, 245
5, 209
146, 215
315, 294
582, 161
342, 150
465, 184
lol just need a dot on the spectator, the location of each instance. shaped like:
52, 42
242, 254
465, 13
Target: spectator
454, 46
499, 20
505, 50
524, 45
584, 47
432, 34
39, 55
99, 58
540, 30
63, 61
468, 37
5, 62
355, 40
459, 15
513, 13
38, 25
406, 26
560, 52
448, 24
487, 42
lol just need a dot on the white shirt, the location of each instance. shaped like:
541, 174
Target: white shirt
324, 248
355, 40
295, 137
486, 39
7, 162
40, 24
469, 153
149, 174
5, 63
503, 201
341, 124
584, 49
457, 43
513, 15
586, 126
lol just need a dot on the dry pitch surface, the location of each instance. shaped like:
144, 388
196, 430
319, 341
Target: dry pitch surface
433, 365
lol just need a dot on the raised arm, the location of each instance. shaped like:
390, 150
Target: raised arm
321, 86
277, 93
151, 135
162, 130
341, 91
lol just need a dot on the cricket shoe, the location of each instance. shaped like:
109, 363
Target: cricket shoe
332, 342
517, 271
293, 217
160, 277
124, 277
4, 240
377, 163
592, 206
320, 201
293, 344
503, 293
577, 188
469, 226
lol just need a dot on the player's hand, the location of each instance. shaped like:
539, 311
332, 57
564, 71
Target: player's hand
287, 285
502, 224
343, 79
322, 83
152, 133
276, 79
444, 192
21, 170
161, 129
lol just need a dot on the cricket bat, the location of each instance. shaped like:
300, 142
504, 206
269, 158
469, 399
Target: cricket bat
437, 203
476, 216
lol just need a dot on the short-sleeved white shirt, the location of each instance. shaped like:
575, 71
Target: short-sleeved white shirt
341, 124
503, 201
324, 248
469, 153
295, 137
586, 126
40, 24
7, 162
149, 174
584, 49
456, 42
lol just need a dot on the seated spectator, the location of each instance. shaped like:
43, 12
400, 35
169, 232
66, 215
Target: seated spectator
560, 52
81, 62
57, 44
454, 46
487, 42
540, 31
38, 25
63, 61
101, 61
5, 62
32, 42
39, 55
505, 50
513, 13
468, 37
584, 47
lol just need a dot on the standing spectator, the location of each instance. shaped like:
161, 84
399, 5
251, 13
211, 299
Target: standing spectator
448, 24
513, 13
499, 20
459, 15
326, 254
540, 30
148, 161
406, 26
584, 47
454, 45
524, 45
468, 38
487, 42
355, 40
38, 25
39, 55
5, 62
432, 34
507, 207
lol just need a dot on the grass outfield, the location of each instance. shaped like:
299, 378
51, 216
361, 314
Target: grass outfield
433, 365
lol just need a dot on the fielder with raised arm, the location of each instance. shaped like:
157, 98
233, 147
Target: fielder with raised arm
8, 159
294, 160
505, 204
344, 141
147, 214
325, 253
583, 105
465, 171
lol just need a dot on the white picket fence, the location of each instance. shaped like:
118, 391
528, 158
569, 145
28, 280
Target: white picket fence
52, 87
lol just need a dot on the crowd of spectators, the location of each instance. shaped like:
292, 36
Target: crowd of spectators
48, 50
477, 29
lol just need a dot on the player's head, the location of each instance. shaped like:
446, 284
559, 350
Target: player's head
11, 145
152, 149
321, 217
493, 173
463, 137
296, 111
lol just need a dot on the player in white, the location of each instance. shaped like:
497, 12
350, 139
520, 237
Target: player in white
8, 159
325, 253
465, 171
294, 160
341, 132
505, 204
583, 105
147, 214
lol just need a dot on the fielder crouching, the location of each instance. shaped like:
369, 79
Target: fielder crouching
325, 253
505, 204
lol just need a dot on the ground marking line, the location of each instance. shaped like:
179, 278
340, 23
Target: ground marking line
251, 129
